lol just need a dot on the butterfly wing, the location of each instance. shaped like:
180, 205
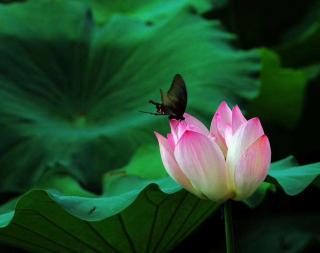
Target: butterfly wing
176, 98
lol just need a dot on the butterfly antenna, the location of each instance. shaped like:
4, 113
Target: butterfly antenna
152, 113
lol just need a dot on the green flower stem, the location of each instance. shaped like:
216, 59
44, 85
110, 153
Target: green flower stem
228, 227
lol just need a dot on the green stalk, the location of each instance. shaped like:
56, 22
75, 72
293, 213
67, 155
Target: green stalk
228, 227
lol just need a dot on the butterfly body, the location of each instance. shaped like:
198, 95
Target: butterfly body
174, 102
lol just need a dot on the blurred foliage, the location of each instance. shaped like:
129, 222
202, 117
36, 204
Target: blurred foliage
151, 11
262, 23
300, 43
11, 1
73, 76
282, 92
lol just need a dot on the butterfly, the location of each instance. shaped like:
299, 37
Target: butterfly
174, 102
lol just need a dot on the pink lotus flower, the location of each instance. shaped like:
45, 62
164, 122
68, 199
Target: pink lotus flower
228, 162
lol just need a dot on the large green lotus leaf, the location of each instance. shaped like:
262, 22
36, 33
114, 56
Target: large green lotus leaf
149, 11
292, 177
282, 92
134, 214
70, 92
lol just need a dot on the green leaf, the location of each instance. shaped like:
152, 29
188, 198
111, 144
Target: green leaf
293, 178
133, 215
71, 91
282, 92
257, 198
151, 11
147, 155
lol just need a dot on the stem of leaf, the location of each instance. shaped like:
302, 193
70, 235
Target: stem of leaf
228, 227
